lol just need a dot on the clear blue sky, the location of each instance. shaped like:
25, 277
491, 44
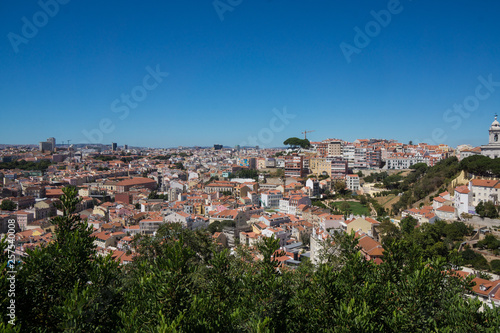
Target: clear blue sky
225, 77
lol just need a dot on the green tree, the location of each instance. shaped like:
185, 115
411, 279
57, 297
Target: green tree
480, 210
345, 208
295, 142
388, 230
66, 285
495, 266
408, 224
8, 205
457, 230
489, 242
340, 187
490, 210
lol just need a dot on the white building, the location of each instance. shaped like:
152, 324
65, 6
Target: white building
348, 152
288, 205
484, 190
463, 200
400, 161
492, 149
445, 213
313, 184
352, 182
278, 233
271, 199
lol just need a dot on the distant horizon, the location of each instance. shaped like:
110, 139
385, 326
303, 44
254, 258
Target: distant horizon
120, 146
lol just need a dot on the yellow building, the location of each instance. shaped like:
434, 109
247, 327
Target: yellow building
320, 166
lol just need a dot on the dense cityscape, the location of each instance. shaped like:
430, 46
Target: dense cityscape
301, 196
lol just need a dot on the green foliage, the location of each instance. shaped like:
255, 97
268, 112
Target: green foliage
280, 153
388, 230
487, 209
278, 173
23, 165
318, 203
392, 182
105, 158
476, 260
155, 195
245, 173
296, 142
423, 181
162, 157
340, 188
218, 226
178, 165
8, 205
481, 165
457, 230
495, 266
419, 167
65, 285
489, 242
408, 224
376, 177
348, 207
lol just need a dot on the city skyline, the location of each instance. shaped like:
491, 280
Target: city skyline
189, 74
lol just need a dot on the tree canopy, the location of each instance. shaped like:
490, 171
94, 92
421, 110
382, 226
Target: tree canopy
481, 165
295, 142
8, 205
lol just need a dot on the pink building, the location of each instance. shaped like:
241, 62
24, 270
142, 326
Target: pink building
24, 218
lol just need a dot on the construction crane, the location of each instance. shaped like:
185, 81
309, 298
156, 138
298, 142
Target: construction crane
305, 133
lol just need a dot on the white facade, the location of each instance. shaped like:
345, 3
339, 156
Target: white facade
403, 162
352, 182
492, 149
445, 213
348, 152
463, 200
314, 186
271, 199
484, 190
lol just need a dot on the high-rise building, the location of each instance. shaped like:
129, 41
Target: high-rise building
53, 143
113, 146
45, 146
49, 145
294, 166
334, 148
125, 147
217, 147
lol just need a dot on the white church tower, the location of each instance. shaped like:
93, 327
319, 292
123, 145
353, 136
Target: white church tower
492, 149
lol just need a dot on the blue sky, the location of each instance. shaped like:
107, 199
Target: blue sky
229, 78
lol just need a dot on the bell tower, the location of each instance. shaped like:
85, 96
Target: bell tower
495, 132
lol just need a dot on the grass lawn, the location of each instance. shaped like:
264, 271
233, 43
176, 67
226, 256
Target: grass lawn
356, 207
